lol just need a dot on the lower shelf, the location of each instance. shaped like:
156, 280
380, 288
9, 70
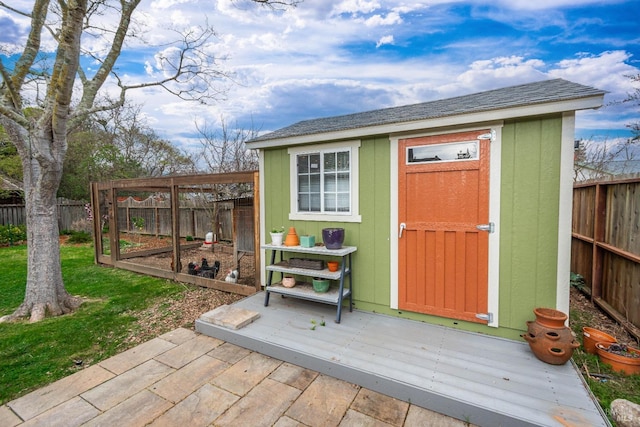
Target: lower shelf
304, 290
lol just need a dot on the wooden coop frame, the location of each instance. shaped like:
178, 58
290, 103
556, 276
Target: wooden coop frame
173, 186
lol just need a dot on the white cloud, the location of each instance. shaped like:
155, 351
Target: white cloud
608, 71
356, 7
385, 40
392, 18
495, 72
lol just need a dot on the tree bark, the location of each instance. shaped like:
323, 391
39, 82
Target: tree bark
45, 292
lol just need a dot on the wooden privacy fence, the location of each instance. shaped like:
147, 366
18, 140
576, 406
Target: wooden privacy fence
605, 247
69, 212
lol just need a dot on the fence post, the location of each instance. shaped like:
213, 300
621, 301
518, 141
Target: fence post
599, 216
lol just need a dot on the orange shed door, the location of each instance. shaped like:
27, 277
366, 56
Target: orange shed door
443, 198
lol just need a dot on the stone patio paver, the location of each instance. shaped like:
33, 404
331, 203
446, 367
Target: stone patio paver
41, 400
420, 417
71, 413
179, 336
381, 407
288, 422
324, 402
229, 353
198, 409
139, 410
8, 418
355, 418
295, 376
245, 374
261, 407
230, 316
176, 386
136, 355
189, 350
115, 391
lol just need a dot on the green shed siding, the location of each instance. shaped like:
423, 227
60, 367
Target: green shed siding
528, 223
529, 218
371, 236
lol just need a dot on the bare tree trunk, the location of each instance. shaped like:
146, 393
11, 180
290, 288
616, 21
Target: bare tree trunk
45, 291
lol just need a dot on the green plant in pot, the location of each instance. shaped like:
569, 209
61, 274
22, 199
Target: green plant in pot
277, 235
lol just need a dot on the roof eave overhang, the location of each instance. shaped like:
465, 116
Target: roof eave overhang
586, 103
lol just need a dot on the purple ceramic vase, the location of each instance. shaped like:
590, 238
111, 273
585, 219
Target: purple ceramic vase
333, 237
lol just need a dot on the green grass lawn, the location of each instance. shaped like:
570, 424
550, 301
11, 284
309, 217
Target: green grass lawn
33, 355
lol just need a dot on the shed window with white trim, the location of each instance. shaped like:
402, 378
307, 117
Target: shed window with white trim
324, 182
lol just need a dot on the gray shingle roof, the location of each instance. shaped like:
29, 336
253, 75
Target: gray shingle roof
509, 97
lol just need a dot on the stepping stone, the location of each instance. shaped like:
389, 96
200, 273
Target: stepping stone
230, 317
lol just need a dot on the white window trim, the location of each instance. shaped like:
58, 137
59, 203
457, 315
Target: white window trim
354, 215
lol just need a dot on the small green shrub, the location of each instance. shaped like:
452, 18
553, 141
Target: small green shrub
80, 237
189, 238
10, 234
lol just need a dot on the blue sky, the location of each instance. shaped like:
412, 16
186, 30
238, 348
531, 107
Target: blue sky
332, 57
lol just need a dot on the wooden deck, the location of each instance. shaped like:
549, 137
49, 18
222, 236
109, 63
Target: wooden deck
484, 380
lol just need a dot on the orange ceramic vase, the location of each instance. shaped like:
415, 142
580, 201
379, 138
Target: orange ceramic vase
292, 238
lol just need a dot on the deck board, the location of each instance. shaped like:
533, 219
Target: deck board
486, 380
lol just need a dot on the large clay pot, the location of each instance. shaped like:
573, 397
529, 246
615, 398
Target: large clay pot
627, 365
552, 347
549, 317
551, 344
591, 336
333, 237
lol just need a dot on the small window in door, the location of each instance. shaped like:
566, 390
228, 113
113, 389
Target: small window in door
449, 152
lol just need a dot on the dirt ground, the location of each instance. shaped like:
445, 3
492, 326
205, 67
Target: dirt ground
598, 319
221, 252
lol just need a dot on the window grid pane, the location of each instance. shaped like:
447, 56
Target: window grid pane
308, 182
324, 186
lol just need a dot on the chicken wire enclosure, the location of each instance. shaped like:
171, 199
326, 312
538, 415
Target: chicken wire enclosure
177, 213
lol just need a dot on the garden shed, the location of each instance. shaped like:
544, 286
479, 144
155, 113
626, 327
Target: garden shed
460, 208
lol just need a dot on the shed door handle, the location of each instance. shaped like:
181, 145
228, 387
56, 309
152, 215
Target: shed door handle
402, 227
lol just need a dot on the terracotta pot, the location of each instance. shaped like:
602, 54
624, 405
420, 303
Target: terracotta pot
549, 317
288, 281
551, 345
550, 348
552, 334
292, 238
627, 365
591, 336
333, 265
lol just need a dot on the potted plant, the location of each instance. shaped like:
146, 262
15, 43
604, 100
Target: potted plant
276, 236
620, 357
